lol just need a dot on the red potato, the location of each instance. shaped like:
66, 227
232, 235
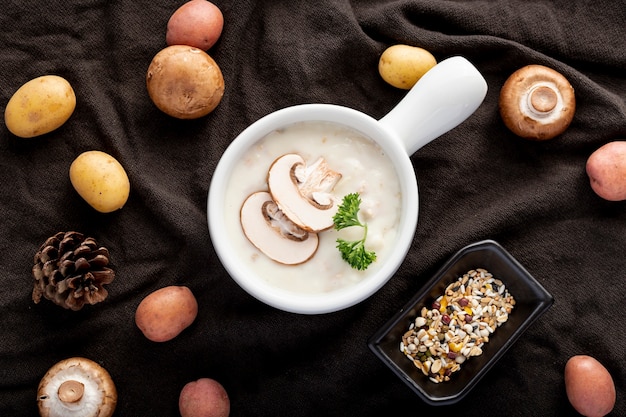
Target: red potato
204, 398
606, 168
166, 312
589, 386
197, 23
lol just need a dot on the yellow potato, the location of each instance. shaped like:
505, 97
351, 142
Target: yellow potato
40, 106
166, 312
403, 65
100, 180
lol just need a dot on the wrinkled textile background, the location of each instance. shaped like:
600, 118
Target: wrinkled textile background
476, 182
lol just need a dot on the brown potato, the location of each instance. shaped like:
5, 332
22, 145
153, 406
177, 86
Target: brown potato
166, 312
184, 82
204, 398
197, 23
606, 168
589, 386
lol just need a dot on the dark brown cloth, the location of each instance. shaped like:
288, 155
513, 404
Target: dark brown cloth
476, 182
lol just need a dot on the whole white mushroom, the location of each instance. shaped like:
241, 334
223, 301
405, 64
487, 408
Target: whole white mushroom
76, 387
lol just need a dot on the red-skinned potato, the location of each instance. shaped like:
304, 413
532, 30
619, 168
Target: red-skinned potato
197, 23
204, 398
166, 312
606, 168
589, 386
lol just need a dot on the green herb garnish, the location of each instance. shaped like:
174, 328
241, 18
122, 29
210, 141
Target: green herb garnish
353, 252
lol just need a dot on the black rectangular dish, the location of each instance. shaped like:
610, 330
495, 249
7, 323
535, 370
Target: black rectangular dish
532, 300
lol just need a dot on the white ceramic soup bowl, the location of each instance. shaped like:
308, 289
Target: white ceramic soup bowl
443, 98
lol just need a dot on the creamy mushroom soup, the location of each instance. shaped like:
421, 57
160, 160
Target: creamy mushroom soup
364, 168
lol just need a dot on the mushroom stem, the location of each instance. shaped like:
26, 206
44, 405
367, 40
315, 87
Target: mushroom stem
71, 391
76, 387
537, 102
542, 99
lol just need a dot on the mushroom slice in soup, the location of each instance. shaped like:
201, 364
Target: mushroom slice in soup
304, 193
267, 228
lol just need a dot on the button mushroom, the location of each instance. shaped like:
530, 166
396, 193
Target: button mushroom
267, 228
303, 193
76, 387
537, 103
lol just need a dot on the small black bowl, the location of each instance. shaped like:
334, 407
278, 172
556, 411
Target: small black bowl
532, 300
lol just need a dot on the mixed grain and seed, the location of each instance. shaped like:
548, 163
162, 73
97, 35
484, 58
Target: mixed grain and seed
457, 325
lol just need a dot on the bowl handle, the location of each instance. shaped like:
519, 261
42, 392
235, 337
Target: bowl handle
442, 99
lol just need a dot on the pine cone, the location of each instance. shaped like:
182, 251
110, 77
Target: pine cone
70, 270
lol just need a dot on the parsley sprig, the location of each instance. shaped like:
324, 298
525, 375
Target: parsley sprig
353, 252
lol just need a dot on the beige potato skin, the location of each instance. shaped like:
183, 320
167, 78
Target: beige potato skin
589, 386
204, 398
184, 82
197, 23
100, 180
166, 312
403, 65
606, 168
40, 106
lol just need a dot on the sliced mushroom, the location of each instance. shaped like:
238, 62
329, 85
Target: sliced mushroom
537, 102
267, 228
76, 387
303, 192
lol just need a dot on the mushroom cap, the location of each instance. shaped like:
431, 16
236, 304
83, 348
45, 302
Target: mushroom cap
267, 237
537, 103
297, 200
76, 387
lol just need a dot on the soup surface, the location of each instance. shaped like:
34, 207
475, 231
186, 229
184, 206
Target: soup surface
364, 168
